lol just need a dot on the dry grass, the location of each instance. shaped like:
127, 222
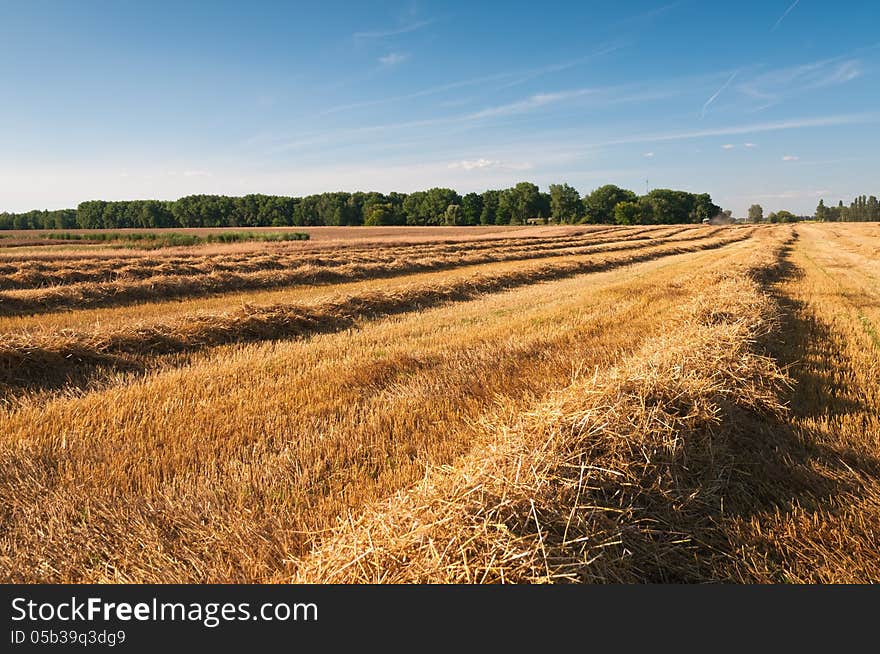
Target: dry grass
652, 404
35, 273
599, 483
820, 519
325, 233
326, 239
50, 356
229, 468
176, 285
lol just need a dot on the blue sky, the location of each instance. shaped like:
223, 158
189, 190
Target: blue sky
775, 102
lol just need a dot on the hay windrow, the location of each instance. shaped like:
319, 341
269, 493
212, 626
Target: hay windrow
603, 483
629, 424
36, 272
25, 359
177, 281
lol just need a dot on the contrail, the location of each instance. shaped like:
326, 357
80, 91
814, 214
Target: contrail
717, 93
787, 12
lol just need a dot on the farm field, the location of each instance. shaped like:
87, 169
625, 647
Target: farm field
37, 240
455, 405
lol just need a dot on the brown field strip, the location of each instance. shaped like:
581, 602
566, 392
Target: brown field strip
699, 458
47, 259
612, 479
126, 315
820, 519
343, 235
51, 358
230, 468
678, 405
36, 274
79, 296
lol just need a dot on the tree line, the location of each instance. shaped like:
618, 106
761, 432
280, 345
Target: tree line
861, 209
518, 205
756, 215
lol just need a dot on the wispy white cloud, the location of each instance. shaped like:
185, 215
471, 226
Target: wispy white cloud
833, 162
788, 195
749, 145
507, 79
395, 31
474, 163
393, 58
598, 95
787, 12
478, 164
774, 86
419, 94
651, 13
185, 173
717, 93
728, 146
527, 75
569, 144
754, 128
790, 157
530, 103
648, 155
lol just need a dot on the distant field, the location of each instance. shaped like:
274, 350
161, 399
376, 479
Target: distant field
483, 404
316, 233
43, 242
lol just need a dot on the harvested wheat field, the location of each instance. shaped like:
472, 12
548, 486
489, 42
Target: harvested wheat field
681, 403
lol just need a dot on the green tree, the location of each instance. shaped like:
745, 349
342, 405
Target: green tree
543, 207
472, 208
565, 203
414, 209
335, 209
436, 202
504, 211
704, 208
628, 213
488, 215
525, 202
519, 204
671, 207
873, 209
756, 213
784, 217
88, 214
453, 215
305, 213
382, 214
599, 205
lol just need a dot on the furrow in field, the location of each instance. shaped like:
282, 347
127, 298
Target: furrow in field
167, 309
46, 360
227, 469
821, 488
48, 260
349, 238
79, 296
41, 274
107, 270
617, 478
